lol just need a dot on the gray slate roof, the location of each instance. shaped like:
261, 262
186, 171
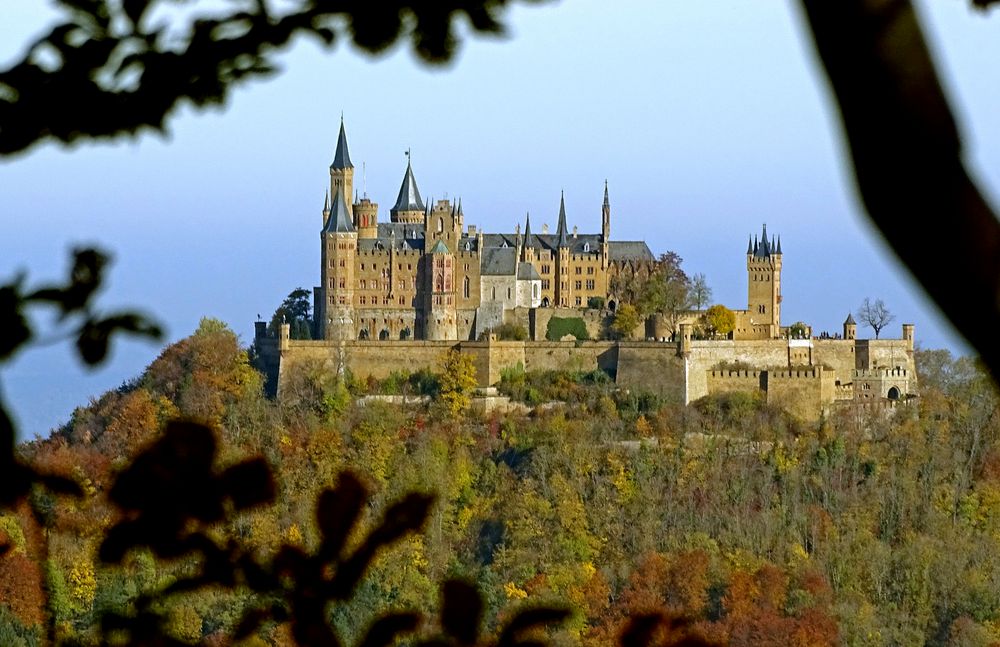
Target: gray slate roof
527, 272
498, 261
635, 250
340, 218
409, 195
342, 158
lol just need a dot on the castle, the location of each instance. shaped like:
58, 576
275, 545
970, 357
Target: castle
398, 294
425, 275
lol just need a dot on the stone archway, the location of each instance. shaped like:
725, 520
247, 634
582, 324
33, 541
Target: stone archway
384, 335
612, 305
893, 393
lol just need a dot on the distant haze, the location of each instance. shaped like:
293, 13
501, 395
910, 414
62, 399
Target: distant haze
706, 119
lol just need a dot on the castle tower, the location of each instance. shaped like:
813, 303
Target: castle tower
409, 208
440, 316
443, 221
366, 218
605, 229
341, 170
562, 258
339, 243
764, 283
850, 327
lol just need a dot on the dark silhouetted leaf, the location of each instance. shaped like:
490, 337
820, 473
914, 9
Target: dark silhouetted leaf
337, 511
529, 620
249, 484
384, 631
15, 328
461, 611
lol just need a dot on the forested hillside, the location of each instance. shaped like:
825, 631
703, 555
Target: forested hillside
861, 530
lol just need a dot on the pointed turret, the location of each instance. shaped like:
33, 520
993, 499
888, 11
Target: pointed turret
339, 220
409, 206
749, 245
527, 230
562, 236
341, 170
778, 251
342, 157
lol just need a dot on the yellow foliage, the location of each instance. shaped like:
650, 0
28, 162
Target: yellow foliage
10, 531
643, 428
784, 461
293, 535
457, 380
184, 623
514, 592
82, 585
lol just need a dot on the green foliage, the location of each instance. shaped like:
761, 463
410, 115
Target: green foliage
559, 327
296, 311
15, 634
627, 318
596, 303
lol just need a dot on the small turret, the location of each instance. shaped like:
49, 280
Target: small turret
342, 170
562, 236
850, 327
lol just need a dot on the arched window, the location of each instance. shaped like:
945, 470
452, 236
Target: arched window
534, 291
465, 288
440, 225
586, 247
893, 393
494, 293
440, 283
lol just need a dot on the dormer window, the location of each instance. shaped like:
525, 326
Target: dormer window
586, 248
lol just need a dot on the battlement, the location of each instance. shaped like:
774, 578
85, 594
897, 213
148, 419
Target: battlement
811, 373
881, 373
734, 374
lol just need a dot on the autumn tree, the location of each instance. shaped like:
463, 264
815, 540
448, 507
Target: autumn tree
457, 381
719, 320
627, 318
875, 315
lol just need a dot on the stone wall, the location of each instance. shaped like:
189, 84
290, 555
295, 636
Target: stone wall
805, 393
652, 366
706, 355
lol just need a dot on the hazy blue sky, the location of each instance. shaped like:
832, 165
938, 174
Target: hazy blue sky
706, 118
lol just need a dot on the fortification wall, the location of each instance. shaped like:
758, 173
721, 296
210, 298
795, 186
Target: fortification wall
571, 356
706, 355
725, 381
838, 354
805, 393
652, 366
491, 358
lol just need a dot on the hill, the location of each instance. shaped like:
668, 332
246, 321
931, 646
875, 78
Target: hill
761, 530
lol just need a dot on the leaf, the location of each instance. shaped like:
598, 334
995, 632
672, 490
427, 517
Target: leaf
337, 511
387, 629
528, 619
249, 484
15, 328
407, 515
461, 611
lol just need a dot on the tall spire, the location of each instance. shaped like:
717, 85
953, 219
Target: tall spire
342, 158
409, 195
778, 251
749, 245
763, 248
562, 238
340, 219
527, 230
326, 203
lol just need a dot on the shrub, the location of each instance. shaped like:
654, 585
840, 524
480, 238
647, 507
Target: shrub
559, 327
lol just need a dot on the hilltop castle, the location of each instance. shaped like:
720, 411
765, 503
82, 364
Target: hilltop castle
397, 294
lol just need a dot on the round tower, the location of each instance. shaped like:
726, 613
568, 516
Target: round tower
366, 218
339, 243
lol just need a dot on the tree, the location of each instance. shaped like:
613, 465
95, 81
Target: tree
458, 379
626, 320
701, 294
296, 311
875, 315
719, 320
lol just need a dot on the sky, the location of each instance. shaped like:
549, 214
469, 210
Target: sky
707, 119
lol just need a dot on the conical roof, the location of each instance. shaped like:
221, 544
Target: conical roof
763, 248
409, 195
342, 158
527, 230
562, 237
340, 219
440, 248
850, 320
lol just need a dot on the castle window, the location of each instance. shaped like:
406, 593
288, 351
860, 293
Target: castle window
590, 284
440, 225
494, 294
364, 284
343, 263
590, 270
409, 267
342, 300
577, 284
362, 267
465, 288
402, 284
508, 293
364, 300
534, 290
341, 283
579, 270
545, 269
468, 246
586, 247
402, 301
546, 284
579, 301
